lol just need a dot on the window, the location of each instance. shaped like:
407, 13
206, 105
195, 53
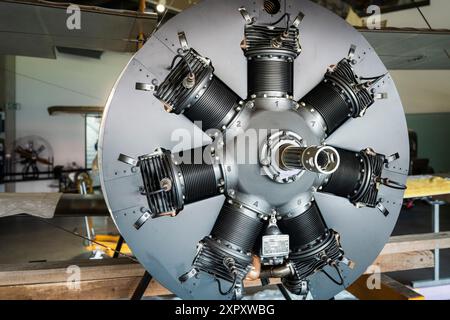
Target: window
92, 132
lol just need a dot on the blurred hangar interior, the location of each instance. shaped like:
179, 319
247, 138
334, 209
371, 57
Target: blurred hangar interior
55, 80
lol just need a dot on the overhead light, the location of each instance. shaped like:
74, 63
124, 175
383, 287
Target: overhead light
160, 8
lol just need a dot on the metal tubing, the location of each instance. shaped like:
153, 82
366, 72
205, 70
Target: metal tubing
436, 281
276, 272
436, 230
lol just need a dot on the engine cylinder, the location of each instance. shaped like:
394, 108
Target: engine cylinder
270, 75
169, 185
270, 53
355, 177
347, 179
339, 96
227, 252
238, 226
313, 246
213, 106
192, 88
330, 103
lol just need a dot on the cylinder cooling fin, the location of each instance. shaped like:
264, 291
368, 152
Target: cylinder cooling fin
191, 88
227, 252
341, 95
359, 178
257, 195
168, 184
270, 51
313, 246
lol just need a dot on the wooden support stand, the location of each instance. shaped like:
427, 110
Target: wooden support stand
100, 279
417, 242
405, 252
118, 278
388, 289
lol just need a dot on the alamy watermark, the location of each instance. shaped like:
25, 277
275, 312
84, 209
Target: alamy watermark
73, 21
244, 147
73, 281
373, 21
373, 281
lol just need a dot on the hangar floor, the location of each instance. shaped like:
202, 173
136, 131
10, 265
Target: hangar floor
24, 239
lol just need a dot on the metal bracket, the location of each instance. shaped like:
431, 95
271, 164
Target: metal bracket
351, 52
298, 19
142, 219
392, 157
144, 86
349, 263
128, 160
381, 95
382, 209
238, 292
183, 41
188, 275
248, 19
304, 288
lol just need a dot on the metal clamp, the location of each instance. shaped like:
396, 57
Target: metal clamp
144, 86
381, 95
382, 209
391, 183
248, 19
351, 52
298, 19
349, 263
392, 157
183, 41
188, 275
142, 219
128, 160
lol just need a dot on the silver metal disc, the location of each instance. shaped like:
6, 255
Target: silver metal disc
135, 123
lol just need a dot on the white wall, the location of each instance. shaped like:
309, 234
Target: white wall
68, 80
437, 14
423, 91
71, 80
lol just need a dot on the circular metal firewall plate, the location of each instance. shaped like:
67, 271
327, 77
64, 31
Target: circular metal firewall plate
135, 123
